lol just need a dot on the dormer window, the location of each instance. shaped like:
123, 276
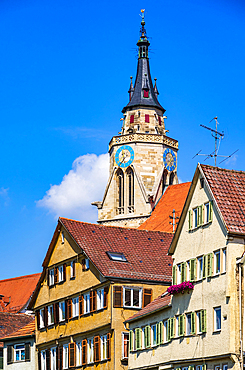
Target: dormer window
119, 257
146, 94
132, 118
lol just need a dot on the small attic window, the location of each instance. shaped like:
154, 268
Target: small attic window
62, 238
202, 183
119, 257
146, 94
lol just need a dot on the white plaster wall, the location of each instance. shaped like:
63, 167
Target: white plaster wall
21, 365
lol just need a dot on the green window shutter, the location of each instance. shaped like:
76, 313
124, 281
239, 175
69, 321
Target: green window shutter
203, 321
198, 216
172, 331
190, 219
138, 335
209, 264
193, 269
183, 272
131, 340
191, 367
168, 331
204, 367
210, 216
193, 323
174, 275
202, 214
181, 325
159, 333
204, 270
147, 336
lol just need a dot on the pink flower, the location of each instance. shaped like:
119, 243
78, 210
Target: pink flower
180, 288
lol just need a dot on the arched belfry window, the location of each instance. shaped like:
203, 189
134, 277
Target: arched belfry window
120, 192
164, 180
130, 189
171, 178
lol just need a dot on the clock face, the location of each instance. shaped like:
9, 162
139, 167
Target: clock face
169, 159
124, 156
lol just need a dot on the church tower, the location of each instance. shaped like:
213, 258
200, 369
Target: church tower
143, 160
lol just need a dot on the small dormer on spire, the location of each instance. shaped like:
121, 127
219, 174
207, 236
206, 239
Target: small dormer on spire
155, 87
131, 88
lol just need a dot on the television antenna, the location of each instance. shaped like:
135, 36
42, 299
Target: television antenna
217, 138
174, 218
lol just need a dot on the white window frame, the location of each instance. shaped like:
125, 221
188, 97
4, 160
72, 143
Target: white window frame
195, 218
217, 367
100, 299
86, 303
123, 336
43, 360
75, 307
87, 263
153, 335
188, 266
206, 215
50, 314
198, 323
131, 298
62, 311
65, 356
216, 260
22, 348
78, 353
103, 347
62, 238
41, 318
188, 324
72, 272
165, 331
185, 368
51, 277
61, 273
90, 350
200, 268
225, 366
216, 310
53, 358
224, 251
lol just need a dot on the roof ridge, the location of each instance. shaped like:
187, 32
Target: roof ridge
222, 169
20, 277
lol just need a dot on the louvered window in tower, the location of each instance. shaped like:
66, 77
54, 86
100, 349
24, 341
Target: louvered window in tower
146, 94
120, 192
130, 183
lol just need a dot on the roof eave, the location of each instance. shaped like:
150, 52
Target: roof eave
149, 313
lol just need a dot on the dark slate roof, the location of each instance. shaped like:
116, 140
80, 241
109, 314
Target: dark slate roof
228, 188
145, 251
143, 76
161, 302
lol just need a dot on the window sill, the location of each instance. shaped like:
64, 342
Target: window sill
217, 331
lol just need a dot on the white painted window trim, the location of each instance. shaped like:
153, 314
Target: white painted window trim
216, 310
131, 298
65, 356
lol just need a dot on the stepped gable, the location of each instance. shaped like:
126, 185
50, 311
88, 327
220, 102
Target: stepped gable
173, 198
228, 188
25, 331
11, 322
16, 292
161, 302
145, 251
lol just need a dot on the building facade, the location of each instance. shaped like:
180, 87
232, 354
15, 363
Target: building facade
94, 277
143, 160
199, 323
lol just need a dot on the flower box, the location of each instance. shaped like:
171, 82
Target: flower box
181, 288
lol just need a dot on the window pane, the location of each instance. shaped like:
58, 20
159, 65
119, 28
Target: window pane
218, 318
127, 297
136, 298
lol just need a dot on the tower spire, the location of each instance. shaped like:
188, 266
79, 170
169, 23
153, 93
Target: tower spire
143, 94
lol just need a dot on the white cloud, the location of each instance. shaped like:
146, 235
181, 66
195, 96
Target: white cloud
4, 195
85, 183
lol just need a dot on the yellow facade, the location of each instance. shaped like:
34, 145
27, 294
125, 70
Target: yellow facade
86, 326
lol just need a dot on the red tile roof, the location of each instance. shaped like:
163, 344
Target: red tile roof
173, 198
25, 331
11, 322
228, 188
161, 302
16, 292
145, 251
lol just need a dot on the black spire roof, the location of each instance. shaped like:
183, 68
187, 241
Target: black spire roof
143, 94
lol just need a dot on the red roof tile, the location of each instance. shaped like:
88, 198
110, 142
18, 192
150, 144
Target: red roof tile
228, 188
11, 322
173, 198
16, 292
159, 303
145, 251
25, 331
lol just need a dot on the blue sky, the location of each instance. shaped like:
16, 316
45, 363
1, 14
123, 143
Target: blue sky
65, 68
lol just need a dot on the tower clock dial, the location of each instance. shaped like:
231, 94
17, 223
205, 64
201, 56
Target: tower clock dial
124, 156
169, 159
